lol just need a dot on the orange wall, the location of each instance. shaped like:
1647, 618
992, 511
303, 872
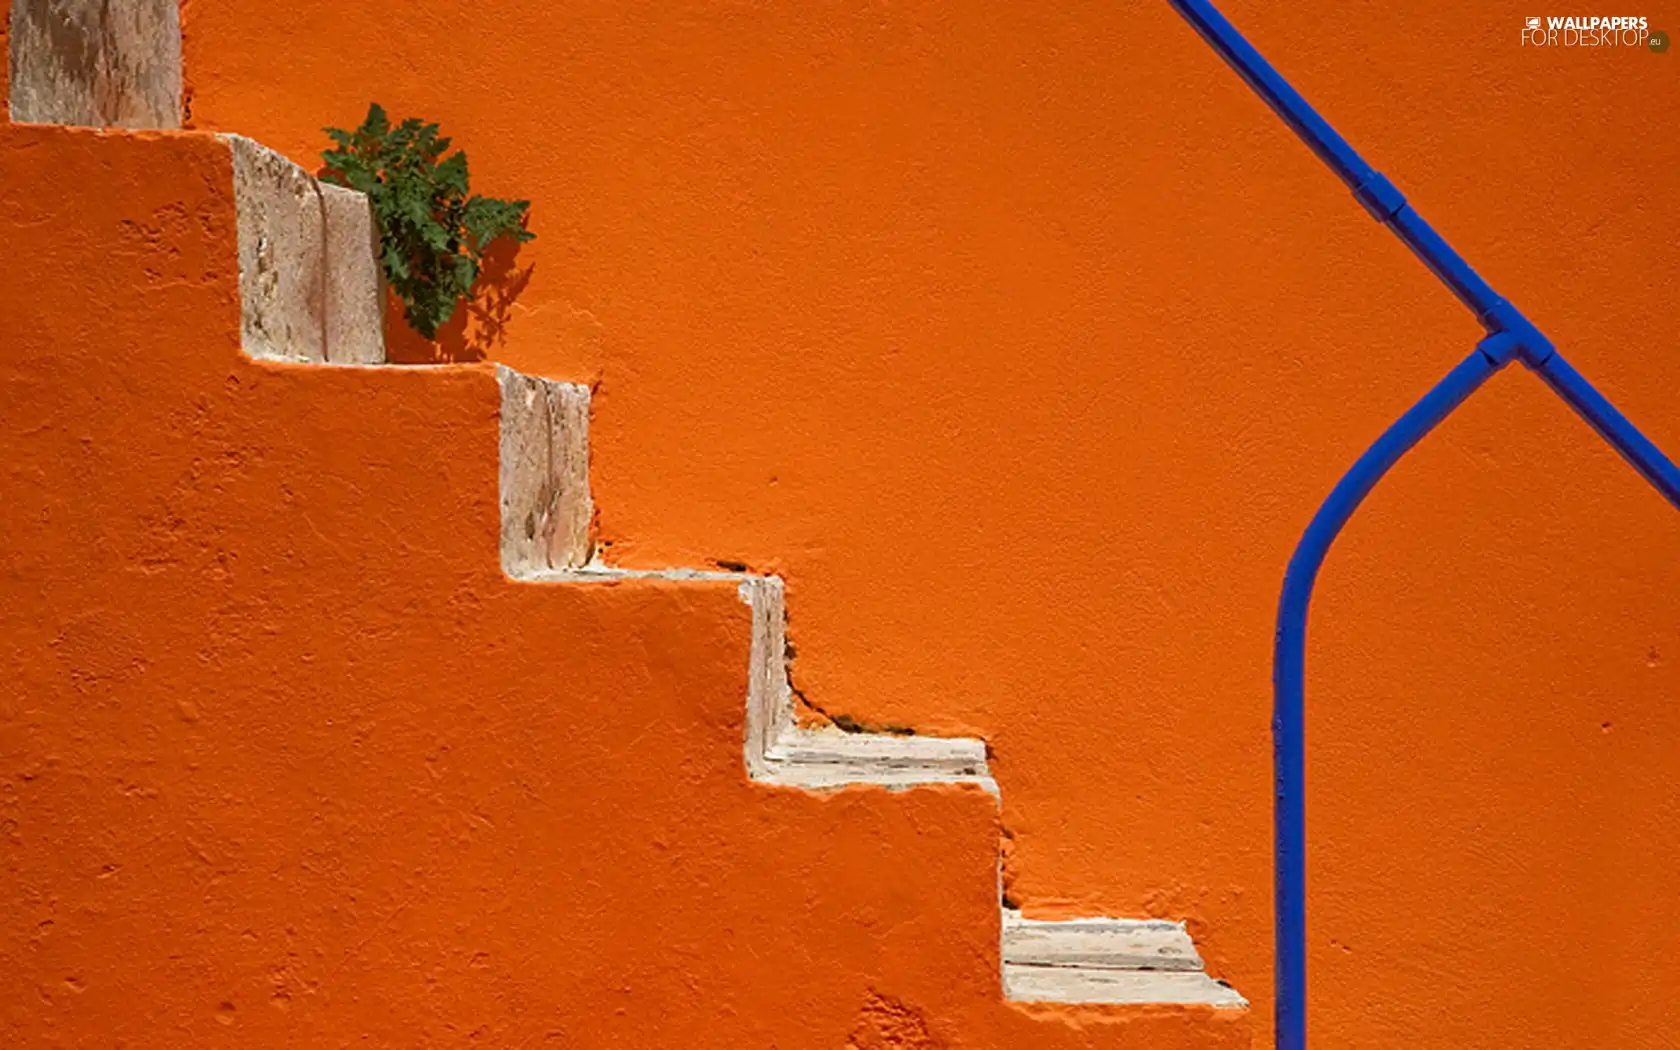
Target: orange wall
285, 761
1023, 341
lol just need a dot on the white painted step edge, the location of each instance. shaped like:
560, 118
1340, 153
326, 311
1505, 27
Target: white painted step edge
1114, 961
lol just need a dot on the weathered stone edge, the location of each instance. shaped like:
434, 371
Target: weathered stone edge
310, 285
92, 64
1104, 960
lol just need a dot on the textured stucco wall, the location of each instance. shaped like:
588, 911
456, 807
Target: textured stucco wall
285, 760
1023, 341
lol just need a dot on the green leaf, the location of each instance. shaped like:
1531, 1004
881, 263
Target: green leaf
377, 125
432, 232
466, 272
451, 175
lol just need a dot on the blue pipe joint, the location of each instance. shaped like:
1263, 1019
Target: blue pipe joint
1380, 197
1500, 348
1504, 319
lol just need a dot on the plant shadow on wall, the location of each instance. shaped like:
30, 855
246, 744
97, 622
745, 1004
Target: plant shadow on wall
448, 255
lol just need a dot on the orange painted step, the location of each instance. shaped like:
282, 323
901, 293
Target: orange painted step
345, 753
292, 761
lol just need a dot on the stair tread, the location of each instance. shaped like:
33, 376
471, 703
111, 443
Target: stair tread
1078, 984
834, 745
1102, 943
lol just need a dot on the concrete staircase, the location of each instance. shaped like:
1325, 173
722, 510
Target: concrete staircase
311, 292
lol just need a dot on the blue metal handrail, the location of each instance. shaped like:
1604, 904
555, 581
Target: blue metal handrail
1510, 336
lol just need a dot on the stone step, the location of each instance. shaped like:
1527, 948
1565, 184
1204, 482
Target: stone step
310, 284
95, 63
1116, 961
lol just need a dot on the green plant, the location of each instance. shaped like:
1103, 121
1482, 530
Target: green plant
432, 233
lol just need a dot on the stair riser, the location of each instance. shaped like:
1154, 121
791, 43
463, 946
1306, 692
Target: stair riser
310, 284
546, 509
97, 64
